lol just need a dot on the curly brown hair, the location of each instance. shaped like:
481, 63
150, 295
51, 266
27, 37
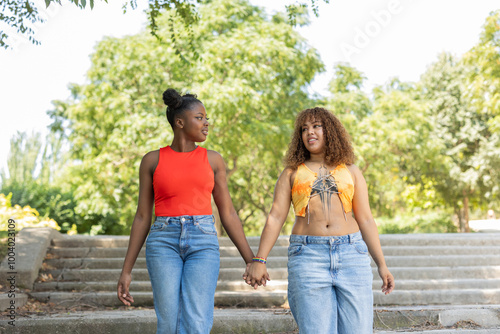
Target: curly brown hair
337, 141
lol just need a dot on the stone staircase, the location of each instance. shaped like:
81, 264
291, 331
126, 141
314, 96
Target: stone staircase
430, 269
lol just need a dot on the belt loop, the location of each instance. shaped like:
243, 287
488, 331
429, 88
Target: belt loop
304, 240
350, 239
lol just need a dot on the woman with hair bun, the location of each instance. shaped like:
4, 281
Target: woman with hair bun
329, 273
182, 250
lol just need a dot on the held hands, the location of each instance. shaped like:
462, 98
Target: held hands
256, 274
387, 278
122, 289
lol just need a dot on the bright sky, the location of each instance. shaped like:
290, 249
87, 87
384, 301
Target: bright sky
381, 38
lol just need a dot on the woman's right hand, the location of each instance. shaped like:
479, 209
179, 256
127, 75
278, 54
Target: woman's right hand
257, 275
122, 289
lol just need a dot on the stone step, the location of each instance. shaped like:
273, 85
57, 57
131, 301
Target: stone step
140, 286
240, 285
117, 263
436, 239
402, 273
440, 250
222, 298
388, 320
259, 298
231, 251
441, 239
96, 275
281, 262
428, 297
93, 252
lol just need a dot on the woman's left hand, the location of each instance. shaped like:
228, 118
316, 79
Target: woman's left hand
387, 278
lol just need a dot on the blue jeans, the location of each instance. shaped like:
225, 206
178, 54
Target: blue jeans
182, 256
330, 284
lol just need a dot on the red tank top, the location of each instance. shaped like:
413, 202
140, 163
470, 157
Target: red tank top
183, 183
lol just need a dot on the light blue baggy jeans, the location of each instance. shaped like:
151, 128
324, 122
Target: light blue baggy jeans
182, 256
330, 284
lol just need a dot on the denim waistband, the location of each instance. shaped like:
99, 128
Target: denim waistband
312, 239
184, 219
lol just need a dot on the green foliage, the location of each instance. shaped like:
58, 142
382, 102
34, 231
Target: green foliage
251, 76
20, 14
427, 149
50, 202
428, 222
23, 216
39, 191
461, 131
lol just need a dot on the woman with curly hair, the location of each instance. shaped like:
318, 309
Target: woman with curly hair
329, 272
182, 249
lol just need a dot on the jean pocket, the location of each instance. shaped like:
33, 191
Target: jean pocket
295, 249
361, 247
206, 227
157, 226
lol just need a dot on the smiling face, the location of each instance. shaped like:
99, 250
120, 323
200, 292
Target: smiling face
194, 123
312, 136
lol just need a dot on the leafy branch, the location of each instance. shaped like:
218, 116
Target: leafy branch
21, 16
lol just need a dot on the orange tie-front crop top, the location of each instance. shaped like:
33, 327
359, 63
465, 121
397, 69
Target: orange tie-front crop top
304, 183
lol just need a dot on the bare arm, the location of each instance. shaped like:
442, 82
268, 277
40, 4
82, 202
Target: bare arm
140, 226
271, 231
229, 218
366, 223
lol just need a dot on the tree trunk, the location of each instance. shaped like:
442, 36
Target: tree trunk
466, 213
460, 216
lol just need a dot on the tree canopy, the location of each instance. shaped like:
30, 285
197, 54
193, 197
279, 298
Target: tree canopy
252, 76
429, 150
20, 16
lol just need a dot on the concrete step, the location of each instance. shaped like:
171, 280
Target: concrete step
260, 298
441, 239
95, 275
281, 262
93, 252
117, 263
402, 273
436, 239
141, 286
256, 298
231, 251
388, 320
240, 285
429, 297
444, 331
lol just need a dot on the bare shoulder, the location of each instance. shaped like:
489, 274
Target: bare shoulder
216, 161
353, 169
288, 171
214, 155
151, 156
355, 172
288, 174
150, 160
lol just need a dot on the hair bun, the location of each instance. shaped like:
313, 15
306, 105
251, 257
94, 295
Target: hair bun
172, 99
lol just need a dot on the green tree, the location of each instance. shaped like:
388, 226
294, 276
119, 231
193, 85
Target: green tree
390, 134
35, 178
251, 74
22, 15
461, 130
484, 93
